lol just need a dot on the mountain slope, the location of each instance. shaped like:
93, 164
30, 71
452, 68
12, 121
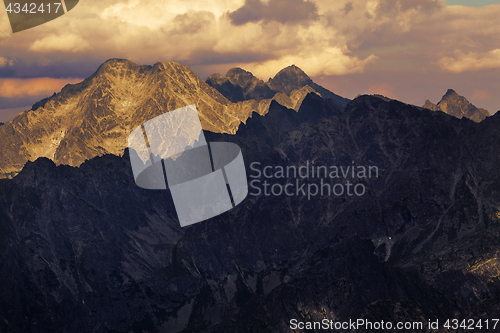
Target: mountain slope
95, 117
261, 133
457, 106
292, 77
238, 85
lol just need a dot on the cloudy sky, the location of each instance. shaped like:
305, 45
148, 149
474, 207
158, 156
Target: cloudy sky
411, 50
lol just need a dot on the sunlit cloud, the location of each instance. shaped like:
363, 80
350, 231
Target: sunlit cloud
65, 43
269, 31
471, 61
323, 37
327, 61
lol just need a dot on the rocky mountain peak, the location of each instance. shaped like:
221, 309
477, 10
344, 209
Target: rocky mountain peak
238, 73
114, 66
172, 67
123, 67
291, 70
458, 106
239, 85
291, 73
95, 116
103, 77
252, 86
431, 106
450, 93
289, 79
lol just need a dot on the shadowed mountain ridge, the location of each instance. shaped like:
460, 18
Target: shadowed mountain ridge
87, 244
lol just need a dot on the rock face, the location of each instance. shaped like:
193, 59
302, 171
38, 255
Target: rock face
457, 106
292, 77
421, 243
78, 237
95, 117
239, 85
262, 133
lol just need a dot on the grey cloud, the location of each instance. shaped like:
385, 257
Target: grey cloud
283, 11
391, 7
193, 22
348, 7
18, 102
72, 67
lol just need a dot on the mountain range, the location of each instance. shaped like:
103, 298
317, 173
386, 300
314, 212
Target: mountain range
239, 85
94, 117
83, 249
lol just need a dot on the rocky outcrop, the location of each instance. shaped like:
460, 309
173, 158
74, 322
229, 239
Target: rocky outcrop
260, 134
238, 85
457, 106
292, 77
94, 117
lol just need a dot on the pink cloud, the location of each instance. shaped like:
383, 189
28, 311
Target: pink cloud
471, 61
32, 87
480, 95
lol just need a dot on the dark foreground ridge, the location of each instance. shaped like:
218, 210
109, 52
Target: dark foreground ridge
85, 250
